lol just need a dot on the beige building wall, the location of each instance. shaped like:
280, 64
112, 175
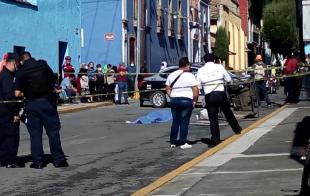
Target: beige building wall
237, 47
243, 52
230, 29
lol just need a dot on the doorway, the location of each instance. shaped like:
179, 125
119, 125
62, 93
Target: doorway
62, 50
132, 50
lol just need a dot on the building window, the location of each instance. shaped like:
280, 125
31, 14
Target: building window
194, 10
143, 13
160, 19
132, 49
135, 13
170, 19
180, 21
204, 33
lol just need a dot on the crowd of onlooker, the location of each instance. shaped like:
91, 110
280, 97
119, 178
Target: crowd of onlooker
93, 83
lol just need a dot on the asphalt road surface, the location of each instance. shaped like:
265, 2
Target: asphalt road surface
106, 155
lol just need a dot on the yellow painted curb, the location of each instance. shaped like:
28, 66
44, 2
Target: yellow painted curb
136, 95
168, 177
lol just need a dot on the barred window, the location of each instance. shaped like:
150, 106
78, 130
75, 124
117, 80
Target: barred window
194, 10
180, 21
170, 19
160, 15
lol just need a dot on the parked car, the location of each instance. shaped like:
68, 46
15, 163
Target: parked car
152, 88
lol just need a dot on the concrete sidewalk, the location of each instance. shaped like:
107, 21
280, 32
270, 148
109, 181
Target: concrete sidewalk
76, 107
256, 163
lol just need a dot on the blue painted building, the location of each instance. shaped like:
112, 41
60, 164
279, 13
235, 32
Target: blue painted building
102, 37
171, 29
110, 32
49, 29
164, 32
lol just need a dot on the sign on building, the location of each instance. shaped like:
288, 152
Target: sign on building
306, 16
109, 36
29, 2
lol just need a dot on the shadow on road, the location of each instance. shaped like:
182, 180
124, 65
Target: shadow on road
27, 158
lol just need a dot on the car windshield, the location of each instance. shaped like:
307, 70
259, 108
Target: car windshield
165, 73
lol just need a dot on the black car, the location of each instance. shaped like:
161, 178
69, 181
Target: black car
152, 88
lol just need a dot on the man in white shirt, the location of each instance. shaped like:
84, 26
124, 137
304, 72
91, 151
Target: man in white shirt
182, 87
212, 78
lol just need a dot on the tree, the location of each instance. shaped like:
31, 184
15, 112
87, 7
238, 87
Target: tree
221, 44
280, 28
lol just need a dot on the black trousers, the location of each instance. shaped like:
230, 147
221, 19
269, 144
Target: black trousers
99, 90
111, 91
92, 88
42, 113
216, 101
262, 90
293, 87
9, 141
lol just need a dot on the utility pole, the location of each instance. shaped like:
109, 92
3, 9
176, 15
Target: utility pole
299, 21
138, 49
189, 33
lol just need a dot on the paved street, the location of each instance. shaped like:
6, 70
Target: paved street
107, 156
256, 164
88, 51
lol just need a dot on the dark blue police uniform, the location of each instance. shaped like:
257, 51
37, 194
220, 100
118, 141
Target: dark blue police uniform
9, 131
36, 80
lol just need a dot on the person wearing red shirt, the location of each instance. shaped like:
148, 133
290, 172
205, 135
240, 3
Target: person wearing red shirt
68, 67
291, 83
121, 80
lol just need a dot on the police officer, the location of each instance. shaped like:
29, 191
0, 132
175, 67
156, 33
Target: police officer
9, 115
212, 77
35, 80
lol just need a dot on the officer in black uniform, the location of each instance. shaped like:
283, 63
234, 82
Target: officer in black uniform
35, 81
9, 115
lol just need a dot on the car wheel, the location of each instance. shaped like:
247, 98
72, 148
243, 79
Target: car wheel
158, 99
141, 103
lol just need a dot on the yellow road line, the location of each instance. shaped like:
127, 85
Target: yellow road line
168, 177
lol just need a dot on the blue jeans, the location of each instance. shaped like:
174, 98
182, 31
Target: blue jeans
262, 91
42, 113
181, 109
122, 90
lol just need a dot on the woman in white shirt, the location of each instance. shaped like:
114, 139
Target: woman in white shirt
182, 87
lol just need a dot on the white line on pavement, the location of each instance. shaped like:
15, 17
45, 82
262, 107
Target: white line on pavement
257, 171
243, 172
234, 150
246, 141
263, 155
